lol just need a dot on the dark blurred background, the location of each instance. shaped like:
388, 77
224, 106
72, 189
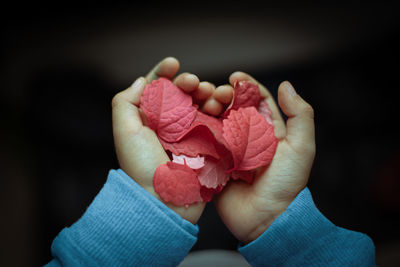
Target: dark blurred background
61, 65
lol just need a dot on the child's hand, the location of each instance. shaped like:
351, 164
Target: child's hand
248, 210
138, 149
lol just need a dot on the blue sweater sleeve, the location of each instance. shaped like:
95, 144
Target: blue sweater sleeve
302, 236
124, 226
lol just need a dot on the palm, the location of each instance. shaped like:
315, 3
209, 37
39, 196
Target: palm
137, 147
248, 210
140, 157
141, 154
260, 203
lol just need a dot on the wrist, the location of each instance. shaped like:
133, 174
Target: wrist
266, 218
260, 228
191, 213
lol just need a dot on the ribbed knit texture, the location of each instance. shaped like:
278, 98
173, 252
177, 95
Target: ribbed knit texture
302, 236
125, 226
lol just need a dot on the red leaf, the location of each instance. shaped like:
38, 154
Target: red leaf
212, 123
264, 110
177, 184
207, 193
197, 141
246, 94
214, 173
247, 176
219, 189
250, 138
169, 111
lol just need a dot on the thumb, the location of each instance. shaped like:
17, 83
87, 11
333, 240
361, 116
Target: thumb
300, 124
125, 111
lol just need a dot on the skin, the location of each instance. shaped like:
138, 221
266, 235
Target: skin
247, 210
223, 94
204, 91
137, 147
212, 106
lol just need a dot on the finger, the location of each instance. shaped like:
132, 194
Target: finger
241, 76
125, 113
224, 94
187, 82
277, 120
167, 68
212, 106
204, 91
300, 123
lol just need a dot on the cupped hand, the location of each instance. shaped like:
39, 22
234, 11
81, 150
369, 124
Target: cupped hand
248, 210
137, 147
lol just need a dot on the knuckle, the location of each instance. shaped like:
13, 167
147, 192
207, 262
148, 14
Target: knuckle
308, 110
116, 100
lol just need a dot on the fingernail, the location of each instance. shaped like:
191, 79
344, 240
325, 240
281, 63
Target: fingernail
138, 83
290, 89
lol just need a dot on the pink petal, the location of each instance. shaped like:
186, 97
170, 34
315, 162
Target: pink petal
264, 110
214, 173
194, 163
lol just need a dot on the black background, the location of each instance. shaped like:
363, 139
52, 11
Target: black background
61, 65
